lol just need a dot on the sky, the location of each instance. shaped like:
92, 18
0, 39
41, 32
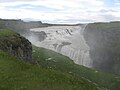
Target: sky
61, 11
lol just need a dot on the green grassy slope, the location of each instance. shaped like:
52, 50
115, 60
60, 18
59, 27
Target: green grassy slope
49, 59
18, 75
5, 32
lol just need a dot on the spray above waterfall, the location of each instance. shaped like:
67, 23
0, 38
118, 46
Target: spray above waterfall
83, 28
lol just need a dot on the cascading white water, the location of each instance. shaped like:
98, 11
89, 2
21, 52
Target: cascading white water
67, 40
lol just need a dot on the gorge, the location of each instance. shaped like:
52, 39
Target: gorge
95, 45
67, 40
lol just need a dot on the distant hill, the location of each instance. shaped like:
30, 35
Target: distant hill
23, 27
19, 25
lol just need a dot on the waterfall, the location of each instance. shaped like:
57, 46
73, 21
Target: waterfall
67, 40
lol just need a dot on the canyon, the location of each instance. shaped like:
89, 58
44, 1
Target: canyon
94, 45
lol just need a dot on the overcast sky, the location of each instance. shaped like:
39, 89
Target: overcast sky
61, 11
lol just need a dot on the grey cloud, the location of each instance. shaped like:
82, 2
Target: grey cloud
107, 10
109, 17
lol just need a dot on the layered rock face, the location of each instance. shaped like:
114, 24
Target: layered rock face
16, 45
104, 42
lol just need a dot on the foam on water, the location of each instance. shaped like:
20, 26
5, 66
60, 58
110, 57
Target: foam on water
67, 40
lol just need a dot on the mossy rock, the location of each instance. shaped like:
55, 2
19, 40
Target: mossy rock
15, 44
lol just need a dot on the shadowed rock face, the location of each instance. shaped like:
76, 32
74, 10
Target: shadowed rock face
17, 46
40, 35
104, 42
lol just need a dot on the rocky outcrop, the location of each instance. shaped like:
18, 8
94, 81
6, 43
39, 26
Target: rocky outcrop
40, 36
104, 42
16, 45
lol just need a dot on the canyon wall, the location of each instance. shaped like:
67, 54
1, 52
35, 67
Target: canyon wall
104, 42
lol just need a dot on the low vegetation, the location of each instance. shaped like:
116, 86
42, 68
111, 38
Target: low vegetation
18, 75
5, 32
55, 61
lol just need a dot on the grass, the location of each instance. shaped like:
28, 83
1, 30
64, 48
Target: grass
5, 32
19, 75
64, 64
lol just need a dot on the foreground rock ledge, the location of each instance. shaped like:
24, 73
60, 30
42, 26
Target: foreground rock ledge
16, 45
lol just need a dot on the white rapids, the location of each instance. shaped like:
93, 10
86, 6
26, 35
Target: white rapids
67, 40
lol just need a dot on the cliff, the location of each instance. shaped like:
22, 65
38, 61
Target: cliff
15, 44
20, 26
104, 42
